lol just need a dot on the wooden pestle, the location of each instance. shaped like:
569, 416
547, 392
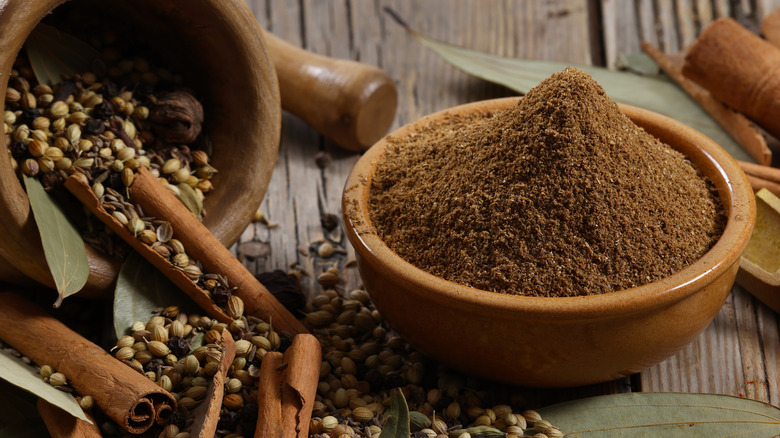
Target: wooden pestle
736, 124
199, 243
348, 102
740, 69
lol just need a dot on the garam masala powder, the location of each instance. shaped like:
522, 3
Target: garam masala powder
560, 195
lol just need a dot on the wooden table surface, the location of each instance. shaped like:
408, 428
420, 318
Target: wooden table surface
738, 354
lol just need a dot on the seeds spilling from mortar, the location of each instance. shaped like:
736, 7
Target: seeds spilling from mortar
90, 124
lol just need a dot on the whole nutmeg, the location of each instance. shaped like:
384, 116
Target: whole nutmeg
176, 117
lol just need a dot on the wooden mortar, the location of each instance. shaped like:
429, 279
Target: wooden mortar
219, 48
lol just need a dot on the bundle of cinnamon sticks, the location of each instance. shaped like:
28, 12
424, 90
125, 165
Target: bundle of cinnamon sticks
732, 73
129, 398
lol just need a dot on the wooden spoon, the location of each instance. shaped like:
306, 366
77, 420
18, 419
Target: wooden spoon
348, 102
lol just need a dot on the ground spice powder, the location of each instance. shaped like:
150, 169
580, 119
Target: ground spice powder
561, 195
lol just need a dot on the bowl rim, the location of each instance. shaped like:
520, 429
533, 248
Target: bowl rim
734, 190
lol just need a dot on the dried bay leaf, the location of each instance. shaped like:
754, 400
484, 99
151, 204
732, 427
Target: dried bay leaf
141, 288
655, 93
664, 414
16, 372
191, 200
62, 245
55, 55
397, 424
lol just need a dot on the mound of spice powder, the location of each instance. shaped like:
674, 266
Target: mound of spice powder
560, 195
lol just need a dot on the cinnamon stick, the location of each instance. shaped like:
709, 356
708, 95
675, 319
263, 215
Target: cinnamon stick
127, 397
740, 69
78, 186
269, 397
206, 415
763, 172
63, 425
299, 384
770, 27
736, 124
199, 243
759, 183
287, 388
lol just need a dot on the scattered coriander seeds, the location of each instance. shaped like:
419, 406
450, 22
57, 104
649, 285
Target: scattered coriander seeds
46, 371
58, 379
87, 402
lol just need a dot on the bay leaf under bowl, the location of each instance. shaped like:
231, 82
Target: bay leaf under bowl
759, 270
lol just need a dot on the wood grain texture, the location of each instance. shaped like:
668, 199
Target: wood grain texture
737, 354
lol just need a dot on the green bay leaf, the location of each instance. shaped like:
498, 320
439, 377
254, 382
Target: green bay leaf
141, 288
55, 55
191, 200
62, 245
657, 93
19, 374
666, 414
397, 424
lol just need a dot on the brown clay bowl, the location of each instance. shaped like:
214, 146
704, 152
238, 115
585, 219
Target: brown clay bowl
554, 342
217, 45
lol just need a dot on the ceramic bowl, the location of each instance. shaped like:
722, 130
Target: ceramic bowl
554, 342
217, 45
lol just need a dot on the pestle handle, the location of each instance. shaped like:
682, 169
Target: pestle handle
349, 102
